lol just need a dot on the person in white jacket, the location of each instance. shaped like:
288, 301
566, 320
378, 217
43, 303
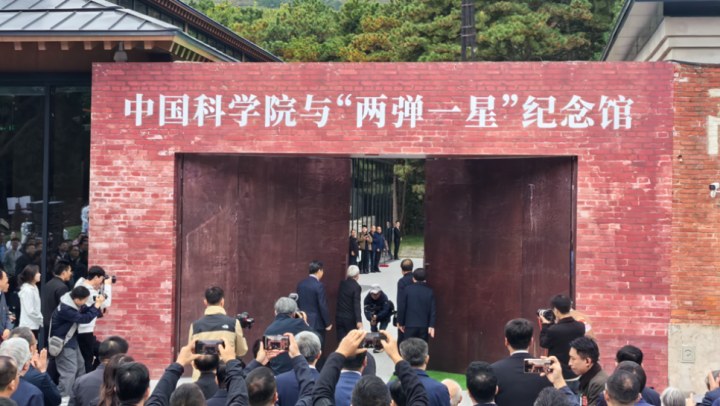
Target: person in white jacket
86, 339
30, 305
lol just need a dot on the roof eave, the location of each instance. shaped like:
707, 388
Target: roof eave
619, 23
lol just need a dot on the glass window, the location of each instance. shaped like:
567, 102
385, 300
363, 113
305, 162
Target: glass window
202, 37
179, 24
126, 4
212, 42
141, 7
154, 13
166, 18
192, 32
22, 133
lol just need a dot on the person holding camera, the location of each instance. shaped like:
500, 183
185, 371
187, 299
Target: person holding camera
99, 285
560, 394
377, 309
216, 325
365, 245
287, 320
71, 312
559, 329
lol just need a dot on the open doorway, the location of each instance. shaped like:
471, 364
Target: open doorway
496, 236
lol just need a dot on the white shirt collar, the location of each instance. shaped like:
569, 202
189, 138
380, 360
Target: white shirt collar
520, 352
354, 372
312, 366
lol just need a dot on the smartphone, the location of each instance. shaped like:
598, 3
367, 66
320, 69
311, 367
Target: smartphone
276, 343
208, 347
372, 340
536, 366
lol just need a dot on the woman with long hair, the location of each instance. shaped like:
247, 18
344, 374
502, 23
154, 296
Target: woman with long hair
107, 390
30, 305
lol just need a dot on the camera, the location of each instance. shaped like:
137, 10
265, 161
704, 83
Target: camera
372, 340
208, 347
276, 343
245, 320
112, 278
536, 366
548, 314
714, 187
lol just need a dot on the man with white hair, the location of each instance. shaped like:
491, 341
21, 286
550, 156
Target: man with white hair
19, 350
455, 391
349, 314
288, 387
287, 320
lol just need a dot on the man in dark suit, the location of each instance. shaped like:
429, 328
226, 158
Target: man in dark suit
406, 266
37, 377
556, 337
288, 387
349, 314
516, 388
350, 374
481, 383
632, 353
415, 351
312, 300
416, 314
6, 323
397, 238
53, 290
389, 237
713, 394
287, 320
87, 387
207, 365
220, 398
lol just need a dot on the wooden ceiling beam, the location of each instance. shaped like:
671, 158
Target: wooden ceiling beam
18, 46
41, 45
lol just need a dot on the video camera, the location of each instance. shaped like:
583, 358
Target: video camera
245, 320
547, 313
101, 290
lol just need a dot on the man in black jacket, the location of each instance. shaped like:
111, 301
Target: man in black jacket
87, 387
557, 337
369, 390
397, 238
354, 251
53, 291
207, 365
516, 388
416, 314
406, 266
287, 320
221, 395
349, 314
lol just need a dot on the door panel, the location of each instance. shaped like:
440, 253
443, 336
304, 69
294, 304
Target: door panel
497, 246
252, 225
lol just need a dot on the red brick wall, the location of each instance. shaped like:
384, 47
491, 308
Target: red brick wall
624, 176
696, 245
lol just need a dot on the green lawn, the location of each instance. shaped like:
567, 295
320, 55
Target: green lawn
412, 246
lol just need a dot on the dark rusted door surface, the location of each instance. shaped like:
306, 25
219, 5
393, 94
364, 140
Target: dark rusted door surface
497, 247
252, 225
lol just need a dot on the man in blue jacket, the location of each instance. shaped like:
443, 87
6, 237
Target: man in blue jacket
36, 374
379, 246
26, 394
377, 309
65, 320
287, 320
415, 351
350, 374
416, 313
312, 300
288, 387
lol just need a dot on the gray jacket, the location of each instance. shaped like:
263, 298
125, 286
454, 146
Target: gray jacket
87, 387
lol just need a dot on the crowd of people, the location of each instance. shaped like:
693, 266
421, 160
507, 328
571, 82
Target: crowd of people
366, 250
300, 373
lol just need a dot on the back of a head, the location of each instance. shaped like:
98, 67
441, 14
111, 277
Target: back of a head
25, 333
562, 303
635, 369
80, 293
672, 397
8, 372
420, 275
353, 271
213, 295
623, 388
315, 267
519, 333
112, 346
18, 349
414, 351
551, 397
355, 363
187, 394
285, 305
406, 265
108, 396
207, 363
370, 391
586, 347
455, 391
481, 382
60, 267
397, 393
132, 381
309, 345
629, 353
261, 386
94, 272
220, 374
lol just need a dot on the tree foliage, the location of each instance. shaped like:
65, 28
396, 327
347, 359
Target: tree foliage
419, 30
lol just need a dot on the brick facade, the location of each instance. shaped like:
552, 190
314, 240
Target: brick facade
695, 252
624, 201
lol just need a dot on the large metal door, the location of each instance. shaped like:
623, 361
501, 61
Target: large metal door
252, 225
498, 241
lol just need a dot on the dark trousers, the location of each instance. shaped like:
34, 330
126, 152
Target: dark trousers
417, 332
380, 323
86, 343
353, 260
321, 361
365, 260
344, 326
376, 265
397, 248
